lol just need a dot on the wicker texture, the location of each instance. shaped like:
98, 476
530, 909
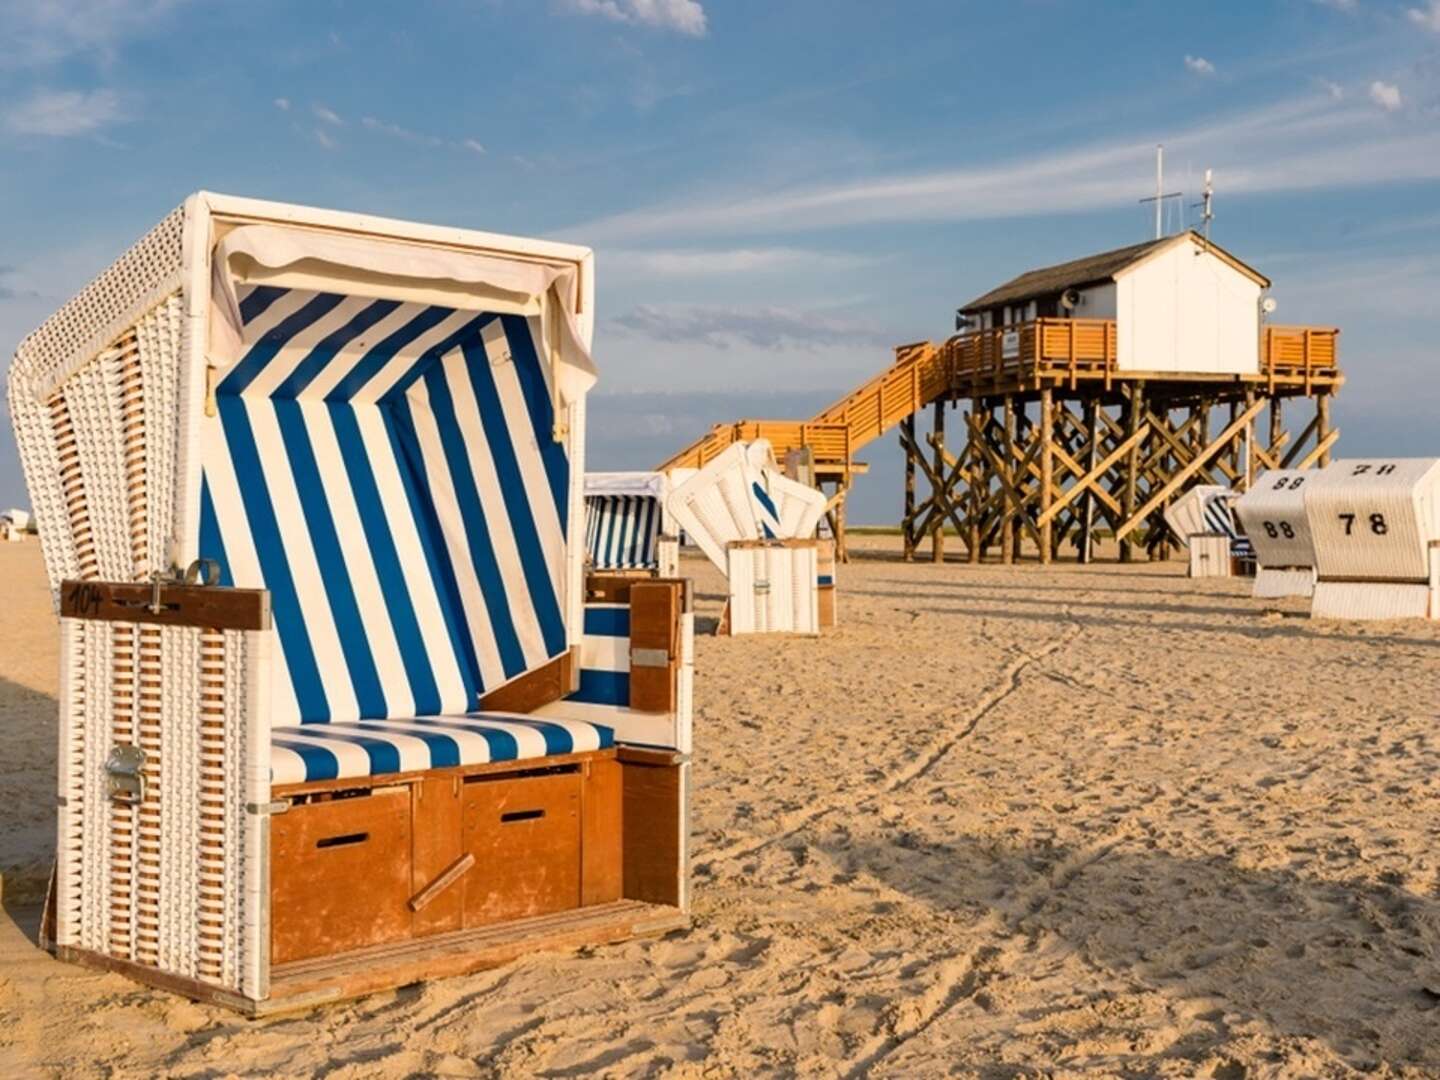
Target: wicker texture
170, 883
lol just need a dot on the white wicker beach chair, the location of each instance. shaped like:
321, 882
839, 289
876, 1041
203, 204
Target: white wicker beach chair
385, 729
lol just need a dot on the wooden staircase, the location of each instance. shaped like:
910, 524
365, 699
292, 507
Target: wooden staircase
835, 434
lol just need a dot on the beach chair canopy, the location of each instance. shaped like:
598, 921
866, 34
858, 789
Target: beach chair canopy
625, 518
741, 495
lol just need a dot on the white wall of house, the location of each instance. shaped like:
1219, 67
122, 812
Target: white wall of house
1186, 309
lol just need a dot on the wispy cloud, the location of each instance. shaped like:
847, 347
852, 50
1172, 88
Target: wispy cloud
1198, 65
682, 16
283, 104
1334, 89
38, 32
769, 328
420, 138
700, 262
1302, 144
326, 115
1347, 6
63, 113
1386, 95
326, 140
1427, 17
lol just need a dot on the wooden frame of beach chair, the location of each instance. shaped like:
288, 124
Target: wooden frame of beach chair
381, 728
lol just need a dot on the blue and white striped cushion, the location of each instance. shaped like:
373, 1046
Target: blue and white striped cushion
605, 657
342, 751
622, 531
1220, 518
387, 471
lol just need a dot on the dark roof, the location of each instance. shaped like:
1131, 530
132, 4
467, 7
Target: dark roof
1049, 280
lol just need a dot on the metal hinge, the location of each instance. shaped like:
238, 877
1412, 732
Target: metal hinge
125, 774
649, 658
272, 809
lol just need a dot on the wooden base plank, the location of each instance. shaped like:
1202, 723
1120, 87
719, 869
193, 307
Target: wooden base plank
307, 984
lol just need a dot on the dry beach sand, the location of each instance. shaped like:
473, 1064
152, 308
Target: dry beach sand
1003, 822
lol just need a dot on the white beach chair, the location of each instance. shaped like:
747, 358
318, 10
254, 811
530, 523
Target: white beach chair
375, 736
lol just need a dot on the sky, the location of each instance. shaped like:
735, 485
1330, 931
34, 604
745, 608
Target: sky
778, 192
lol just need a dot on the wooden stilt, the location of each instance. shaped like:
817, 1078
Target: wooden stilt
1047, 470
937, 538
1135, 407
907, 522
1087, 535
1322, 426
975, 495
1249, 436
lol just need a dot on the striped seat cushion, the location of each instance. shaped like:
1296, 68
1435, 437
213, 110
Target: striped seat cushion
340, 751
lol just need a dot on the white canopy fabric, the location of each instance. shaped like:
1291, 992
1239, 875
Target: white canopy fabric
653, 484
284, 257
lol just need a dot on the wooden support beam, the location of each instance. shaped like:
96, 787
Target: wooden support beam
1047, 469
1009, 541
1222, 442
1322, 426
1097, 473
907, 521
1136, 405
937, 537
1321, 451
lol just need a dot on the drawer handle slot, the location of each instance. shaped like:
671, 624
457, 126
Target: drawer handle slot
343, 841
521, 815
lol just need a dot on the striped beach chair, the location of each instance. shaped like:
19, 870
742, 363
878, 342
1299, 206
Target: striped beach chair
337, 714
627, 527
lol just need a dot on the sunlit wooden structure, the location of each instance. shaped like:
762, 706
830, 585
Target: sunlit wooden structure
1071, 429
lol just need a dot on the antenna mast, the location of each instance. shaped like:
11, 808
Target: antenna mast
1160, 193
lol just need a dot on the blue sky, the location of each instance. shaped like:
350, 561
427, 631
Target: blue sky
777, 192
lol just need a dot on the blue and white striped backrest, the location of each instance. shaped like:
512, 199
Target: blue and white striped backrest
605, 656
387, 471
622, 531
1220, 518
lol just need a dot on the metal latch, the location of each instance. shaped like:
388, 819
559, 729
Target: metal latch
649, 658
125, 774
762, 586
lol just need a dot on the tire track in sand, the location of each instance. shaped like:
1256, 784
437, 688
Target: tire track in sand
952, 735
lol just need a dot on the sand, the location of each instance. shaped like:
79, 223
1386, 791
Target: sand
1002, 822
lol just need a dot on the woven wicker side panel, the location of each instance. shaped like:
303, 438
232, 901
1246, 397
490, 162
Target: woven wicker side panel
100, 454
168, 883
105, 308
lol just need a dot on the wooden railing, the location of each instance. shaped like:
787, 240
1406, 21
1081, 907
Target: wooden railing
1074, 347
1299, 352
917, 377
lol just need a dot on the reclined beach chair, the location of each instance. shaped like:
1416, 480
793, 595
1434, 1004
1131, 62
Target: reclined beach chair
384, 729
628, 528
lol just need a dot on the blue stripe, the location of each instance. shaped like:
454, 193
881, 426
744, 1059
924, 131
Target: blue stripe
444, 750
384, 756
558, 740
542, 413
434, 356
477, 529
373, 362
263, 351
763, 498
274, 567
603, 687
607, 621
503, 745
330, 556
533, 563
320, 763
824, 579
393, 584
212, 546
260, 298
400, 427
612, 525
323, 354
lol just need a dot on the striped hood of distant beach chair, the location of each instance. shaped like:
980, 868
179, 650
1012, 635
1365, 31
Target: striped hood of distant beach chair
740, 496
1220, 518
622, 531
387, 471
